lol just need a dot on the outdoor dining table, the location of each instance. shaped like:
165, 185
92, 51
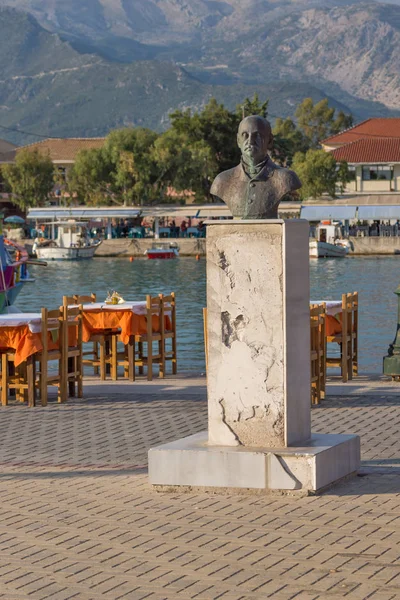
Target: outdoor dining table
128, 317
333, 308
21, 332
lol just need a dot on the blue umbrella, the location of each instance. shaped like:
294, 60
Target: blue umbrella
14, 219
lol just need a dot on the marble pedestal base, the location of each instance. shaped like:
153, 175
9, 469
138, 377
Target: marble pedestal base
312, 467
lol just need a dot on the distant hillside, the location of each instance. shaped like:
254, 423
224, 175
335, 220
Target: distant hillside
50, 88
70, 76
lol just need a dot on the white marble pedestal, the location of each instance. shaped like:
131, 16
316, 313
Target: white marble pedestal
258, 380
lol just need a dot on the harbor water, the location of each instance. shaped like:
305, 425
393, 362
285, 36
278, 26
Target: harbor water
374, 277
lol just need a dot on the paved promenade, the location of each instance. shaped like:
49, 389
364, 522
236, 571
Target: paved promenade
79, 520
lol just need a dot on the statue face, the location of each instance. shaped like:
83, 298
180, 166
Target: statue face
254, 138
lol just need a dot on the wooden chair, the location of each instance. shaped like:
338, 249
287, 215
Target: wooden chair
72, 359
21, 378
92, 354
99, 356
347, 339
51, 331
161, 310
317, 352
168, 333
154, 312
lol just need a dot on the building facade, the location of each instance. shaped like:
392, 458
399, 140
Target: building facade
372, 151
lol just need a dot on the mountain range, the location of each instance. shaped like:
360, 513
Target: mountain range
81, 67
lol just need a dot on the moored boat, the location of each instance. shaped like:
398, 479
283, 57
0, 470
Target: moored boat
72, 243
327, 250
328, 242
163, 250
13, 270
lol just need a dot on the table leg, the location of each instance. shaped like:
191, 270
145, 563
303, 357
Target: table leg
4, 379
114, 358
131, 358
102, 360
30, 379
71, 382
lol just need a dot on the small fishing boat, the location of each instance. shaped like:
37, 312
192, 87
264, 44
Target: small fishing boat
163, 250
71, 243
328, 242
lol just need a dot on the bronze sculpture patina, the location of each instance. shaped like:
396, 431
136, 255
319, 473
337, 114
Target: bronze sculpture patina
254, 188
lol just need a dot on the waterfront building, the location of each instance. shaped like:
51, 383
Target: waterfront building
372, 151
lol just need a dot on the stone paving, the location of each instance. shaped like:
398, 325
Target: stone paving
79, 519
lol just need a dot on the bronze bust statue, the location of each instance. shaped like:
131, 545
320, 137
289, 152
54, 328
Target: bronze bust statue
253, 189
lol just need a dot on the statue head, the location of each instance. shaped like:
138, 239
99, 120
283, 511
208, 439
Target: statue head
254, 139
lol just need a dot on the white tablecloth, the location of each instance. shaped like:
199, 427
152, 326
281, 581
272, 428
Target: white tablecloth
33, 320
333, 307
139, 308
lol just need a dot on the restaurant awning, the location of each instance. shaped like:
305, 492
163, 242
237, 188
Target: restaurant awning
92, 213
170, 210
319, 212
378, 212
201, 211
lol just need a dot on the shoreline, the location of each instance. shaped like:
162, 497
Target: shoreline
124, 247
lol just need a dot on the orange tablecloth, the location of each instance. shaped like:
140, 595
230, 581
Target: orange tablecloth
333, 321
126, 320
25, 343
22, 340
333, 325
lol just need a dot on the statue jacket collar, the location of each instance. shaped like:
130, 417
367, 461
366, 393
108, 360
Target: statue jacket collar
263, 171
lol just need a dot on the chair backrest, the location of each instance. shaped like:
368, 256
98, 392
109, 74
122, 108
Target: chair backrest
350, 313
51, 324
317, 351
67, 300
153, 309
84, 298
78, 299
169, 311
72, 320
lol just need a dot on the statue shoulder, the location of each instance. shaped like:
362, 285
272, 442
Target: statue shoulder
224, 179
287, 178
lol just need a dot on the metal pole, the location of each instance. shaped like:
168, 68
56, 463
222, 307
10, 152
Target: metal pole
391, 363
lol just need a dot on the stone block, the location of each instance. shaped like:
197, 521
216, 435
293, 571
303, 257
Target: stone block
312, 467
259, 333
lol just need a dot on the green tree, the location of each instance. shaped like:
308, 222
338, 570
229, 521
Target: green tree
30, 178
216, 126
133, 172
288, 140
319, 121
89, 178
183, 164
341, 122
319, 173
252, 106
343, 175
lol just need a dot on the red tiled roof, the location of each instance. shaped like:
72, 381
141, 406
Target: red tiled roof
371, 128
61, 149
370, 150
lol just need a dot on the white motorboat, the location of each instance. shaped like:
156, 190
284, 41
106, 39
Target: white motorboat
328, 242
71, 243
